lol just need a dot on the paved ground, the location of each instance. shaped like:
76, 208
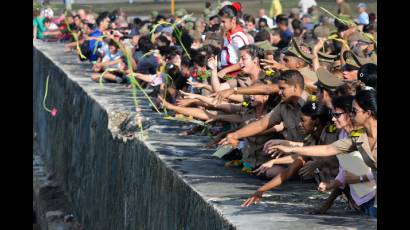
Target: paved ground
225, 189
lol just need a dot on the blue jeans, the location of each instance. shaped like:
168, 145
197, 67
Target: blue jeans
369, 209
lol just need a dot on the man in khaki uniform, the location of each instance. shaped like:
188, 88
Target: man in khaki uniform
291, 87
302, 52
352, 64
364, 45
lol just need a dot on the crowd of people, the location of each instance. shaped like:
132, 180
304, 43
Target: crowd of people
288, 94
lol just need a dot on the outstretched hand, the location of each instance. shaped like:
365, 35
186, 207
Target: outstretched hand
272, 64
279, 149
197, 85
271, 143
221, 95
164, 102
230, 139
188, 95
253, 199
212, 63
263, 168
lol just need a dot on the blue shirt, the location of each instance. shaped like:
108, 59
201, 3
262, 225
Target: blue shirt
96, 33
309, 26
286, 36
364, 18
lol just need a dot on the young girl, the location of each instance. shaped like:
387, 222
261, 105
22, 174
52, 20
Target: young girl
110, 60
234, 38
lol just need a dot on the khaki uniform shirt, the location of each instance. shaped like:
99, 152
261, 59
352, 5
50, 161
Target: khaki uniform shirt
360, 144
253, 150
291, 116
240, 81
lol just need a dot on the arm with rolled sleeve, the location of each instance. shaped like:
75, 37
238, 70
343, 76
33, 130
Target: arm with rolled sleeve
275, 116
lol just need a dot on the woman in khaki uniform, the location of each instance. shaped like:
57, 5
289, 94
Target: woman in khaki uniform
364, 114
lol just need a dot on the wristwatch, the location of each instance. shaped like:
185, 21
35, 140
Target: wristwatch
361, 179
235, 90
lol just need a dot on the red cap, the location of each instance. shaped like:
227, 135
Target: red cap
237, 6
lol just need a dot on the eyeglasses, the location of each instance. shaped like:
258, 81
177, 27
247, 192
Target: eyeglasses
336, 115
355, 111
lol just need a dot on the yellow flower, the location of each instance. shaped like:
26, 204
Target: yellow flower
313, 98
356, 133
331, 128
245, 104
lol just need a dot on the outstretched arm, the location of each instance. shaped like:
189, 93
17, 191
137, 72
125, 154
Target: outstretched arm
226, 70
194, 112
247, 131
275, 182
259, 89
314, 151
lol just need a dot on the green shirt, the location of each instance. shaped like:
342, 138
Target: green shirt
39, 23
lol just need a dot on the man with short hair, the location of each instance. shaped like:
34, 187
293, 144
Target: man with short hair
95, 37
283, 24
352, 64
291, 85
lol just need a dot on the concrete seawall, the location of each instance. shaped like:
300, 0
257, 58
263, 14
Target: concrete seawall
113, 180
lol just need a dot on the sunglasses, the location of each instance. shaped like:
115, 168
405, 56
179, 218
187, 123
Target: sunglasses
336, 115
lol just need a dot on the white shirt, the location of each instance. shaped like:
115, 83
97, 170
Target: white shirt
268, 20
230, 50
306, 4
